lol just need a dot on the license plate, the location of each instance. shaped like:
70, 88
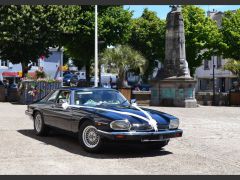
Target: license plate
156, 138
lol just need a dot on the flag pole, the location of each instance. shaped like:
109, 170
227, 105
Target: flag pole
96, 49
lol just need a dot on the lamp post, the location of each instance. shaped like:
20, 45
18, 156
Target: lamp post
99, 64
96, 49
213, 101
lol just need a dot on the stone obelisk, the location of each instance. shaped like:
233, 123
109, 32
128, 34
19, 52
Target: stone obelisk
173, 85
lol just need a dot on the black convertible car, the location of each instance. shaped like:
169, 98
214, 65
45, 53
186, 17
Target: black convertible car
99, 115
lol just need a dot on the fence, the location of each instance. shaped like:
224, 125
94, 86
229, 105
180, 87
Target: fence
206, 98
42, 89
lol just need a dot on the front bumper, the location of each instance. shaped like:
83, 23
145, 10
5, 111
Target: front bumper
29, 114
142, 136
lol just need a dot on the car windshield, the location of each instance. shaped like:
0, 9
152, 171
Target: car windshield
68, 76
99, 97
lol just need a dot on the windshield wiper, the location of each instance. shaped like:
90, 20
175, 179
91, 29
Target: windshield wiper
124, 102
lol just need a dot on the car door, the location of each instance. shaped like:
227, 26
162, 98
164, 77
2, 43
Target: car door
60, 117
47, 108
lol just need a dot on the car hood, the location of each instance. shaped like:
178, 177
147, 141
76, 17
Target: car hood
106, 112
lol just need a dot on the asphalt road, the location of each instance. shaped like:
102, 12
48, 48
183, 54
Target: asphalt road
210, 145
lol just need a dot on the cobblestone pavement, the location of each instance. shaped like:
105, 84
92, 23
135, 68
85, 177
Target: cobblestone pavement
210, 145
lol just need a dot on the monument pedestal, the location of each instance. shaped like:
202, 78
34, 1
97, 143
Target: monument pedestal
174, 91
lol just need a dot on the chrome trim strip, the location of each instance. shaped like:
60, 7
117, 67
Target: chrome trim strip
132, 133
28, 113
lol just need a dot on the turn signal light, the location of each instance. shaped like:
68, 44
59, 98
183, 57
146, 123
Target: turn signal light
120, 136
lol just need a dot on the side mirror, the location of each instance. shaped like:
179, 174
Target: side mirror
133, 101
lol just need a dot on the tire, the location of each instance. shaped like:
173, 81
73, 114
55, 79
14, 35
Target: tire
158, 145
39, 127
89, 139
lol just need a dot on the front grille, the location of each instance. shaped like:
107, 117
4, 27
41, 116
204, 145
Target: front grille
162, 127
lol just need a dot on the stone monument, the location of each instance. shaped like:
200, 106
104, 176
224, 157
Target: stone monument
173, 85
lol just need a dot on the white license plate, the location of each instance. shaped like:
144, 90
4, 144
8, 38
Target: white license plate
160, 138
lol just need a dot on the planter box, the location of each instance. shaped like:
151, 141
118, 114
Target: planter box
12, 95
206, 98
126, 92
142, 97
43, 89
234, 98
2, 94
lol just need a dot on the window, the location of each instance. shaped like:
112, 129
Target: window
219, 62
4, 63
64, 96
206, 64
99, 97
206, 84
35, 63
52, 98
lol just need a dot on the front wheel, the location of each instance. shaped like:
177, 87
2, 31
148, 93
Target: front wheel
89, 138
40, 128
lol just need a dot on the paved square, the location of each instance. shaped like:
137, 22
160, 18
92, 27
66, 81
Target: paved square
210, 145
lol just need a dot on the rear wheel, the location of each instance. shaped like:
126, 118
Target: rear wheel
40, 128
89, 139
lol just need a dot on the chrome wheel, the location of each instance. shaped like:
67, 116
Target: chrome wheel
90, 137
38, 123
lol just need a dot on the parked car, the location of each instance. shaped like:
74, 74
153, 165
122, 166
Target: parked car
70, 80
98, 115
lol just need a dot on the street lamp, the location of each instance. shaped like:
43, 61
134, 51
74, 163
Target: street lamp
96, 49
213, 101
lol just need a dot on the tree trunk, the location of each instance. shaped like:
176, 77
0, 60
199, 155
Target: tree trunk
25, 68
87, 72
121, 78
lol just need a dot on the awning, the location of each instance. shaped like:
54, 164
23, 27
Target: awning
10, 74
16, 74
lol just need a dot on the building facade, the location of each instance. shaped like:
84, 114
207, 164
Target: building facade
204, 74
49, 64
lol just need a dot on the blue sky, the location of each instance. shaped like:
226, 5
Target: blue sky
162, 10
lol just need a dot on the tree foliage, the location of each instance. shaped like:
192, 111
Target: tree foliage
233, 66
231, 33
148, 37
114, 27
203, 38
27, 32
123, 58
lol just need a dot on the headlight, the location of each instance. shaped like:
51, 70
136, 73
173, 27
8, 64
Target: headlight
120, 125
174, 123
141, 127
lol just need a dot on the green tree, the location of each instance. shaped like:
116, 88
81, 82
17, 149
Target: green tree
203, 38
233, 66
231, 33
148, 37
27, 32
114, 27
123, 58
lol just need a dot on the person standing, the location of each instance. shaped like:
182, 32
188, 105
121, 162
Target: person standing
110, 81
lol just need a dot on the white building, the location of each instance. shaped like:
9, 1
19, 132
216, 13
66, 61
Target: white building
50, 66
204, 74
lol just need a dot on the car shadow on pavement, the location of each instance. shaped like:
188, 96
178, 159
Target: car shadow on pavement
112, 150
